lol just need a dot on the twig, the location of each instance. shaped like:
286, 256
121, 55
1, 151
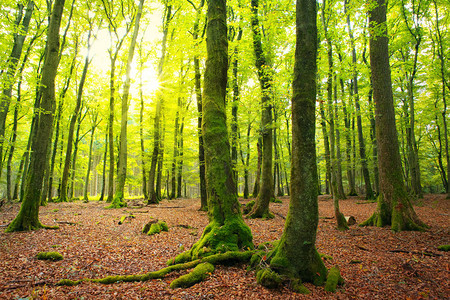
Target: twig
13, 287
280, 215
362, 248
66, 222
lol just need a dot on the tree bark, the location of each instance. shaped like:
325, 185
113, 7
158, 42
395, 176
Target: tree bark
119, 196
226, 230
28, 216
394, 207
296, 254
266, 191
10, 72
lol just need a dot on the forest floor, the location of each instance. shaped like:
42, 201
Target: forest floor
375, 262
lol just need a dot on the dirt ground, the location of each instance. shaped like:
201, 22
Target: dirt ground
375, 262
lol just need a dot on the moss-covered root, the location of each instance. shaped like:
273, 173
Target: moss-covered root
342, 224
223, 258
49, 256
118, 202
333, 279
199, 273
268, 278
233, 236
444, 247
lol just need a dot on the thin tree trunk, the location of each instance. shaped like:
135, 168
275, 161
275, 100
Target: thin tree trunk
258, 170
91, 143
10, 72
180, 159
105, 155
28, 216
266, 192
175, 151
362, 144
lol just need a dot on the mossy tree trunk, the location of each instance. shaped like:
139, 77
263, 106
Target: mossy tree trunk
22, 23
246, 160
227, 230
296, 254
264, 71
28, 216
394, 207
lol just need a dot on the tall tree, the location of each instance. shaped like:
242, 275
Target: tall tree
394, 207
296, 254
226, 230
265, 76
362, 143
152, 191
28, 216
119, 197
22, 23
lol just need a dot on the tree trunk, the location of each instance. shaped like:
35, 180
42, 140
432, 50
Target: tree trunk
28, 216
246, 161
153, 197
326, 145
296, 254
227, 230
10, 72
362, 143
105, 155
141, 127
75, 156
63, 197
258, 170
266, 192
175, 152
180, 160
91, 143
394, 207
119, 196
198, 95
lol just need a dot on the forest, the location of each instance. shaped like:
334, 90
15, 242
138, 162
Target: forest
274, 148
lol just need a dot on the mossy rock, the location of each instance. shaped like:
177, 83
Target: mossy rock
155, 227
333, 279
49, 256
199, 274
444, 247
268, 278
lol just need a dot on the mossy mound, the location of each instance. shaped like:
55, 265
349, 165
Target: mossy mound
199, 274
444, 247
155, 227
234, 235
54, 256
268, 278
333, 279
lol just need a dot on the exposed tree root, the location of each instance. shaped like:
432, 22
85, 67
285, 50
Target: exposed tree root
216, 259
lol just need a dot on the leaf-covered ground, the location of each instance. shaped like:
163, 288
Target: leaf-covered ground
375, 262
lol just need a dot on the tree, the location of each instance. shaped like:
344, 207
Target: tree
119, 200
265, 76
226, 230
296, 255
28, 216
394, 207
11, 66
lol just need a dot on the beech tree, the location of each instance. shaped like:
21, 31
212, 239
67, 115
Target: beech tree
295, 255
226, 230
28, 216
394, 205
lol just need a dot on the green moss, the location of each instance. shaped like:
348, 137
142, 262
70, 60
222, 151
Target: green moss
163, 226
234, 235
49, 256
444, 247
298, 287
333, 279
154, 229
249, 206
69, 282
199, 273
325, 256
275, 200
257, 258
268, 278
